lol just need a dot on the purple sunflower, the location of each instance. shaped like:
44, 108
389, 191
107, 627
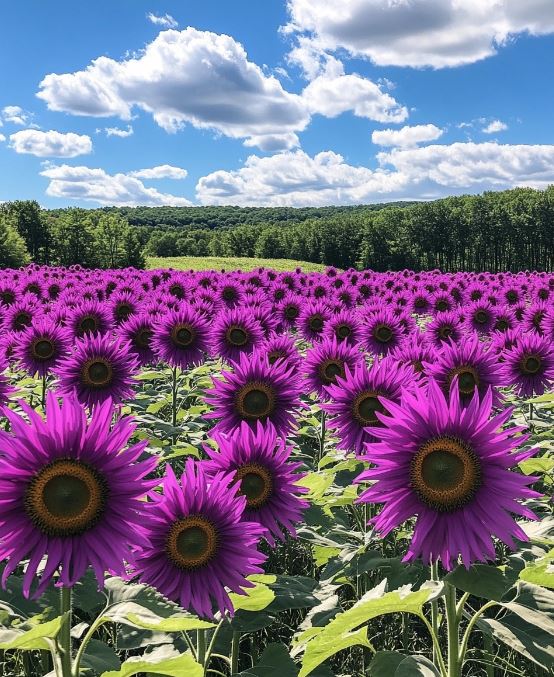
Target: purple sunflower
265, 475
326, 362
529, 365
41, 346
312, 319
89, 317
381, 332
354, 399
344, 326
281, 347
138, 331
181, 337
199, 544
450, 466
480, 317
475, 366
255, 391
71, 492
235, 332
444, 327
100, 368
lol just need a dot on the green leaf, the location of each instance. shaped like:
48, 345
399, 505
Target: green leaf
540, 572
528, 627
178, 623
414, 666
384, 663
482, 580
322, 643
275, 661
293, 592
163, 661
99, 657
35, 638
257, 598
317, 484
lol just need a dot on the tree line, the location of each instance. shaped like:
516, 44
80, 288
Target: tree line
507, 230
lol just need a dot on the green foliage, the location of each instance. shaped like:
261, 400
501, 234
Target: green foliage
216, 263
32, 225
13, 251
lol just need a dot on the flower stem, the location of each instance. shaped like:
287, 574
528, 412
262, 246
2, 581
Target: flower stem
530, 411
322, 437
43, 397
435, 612
235, 644
174, 401
201, 647
64, 637
453, 626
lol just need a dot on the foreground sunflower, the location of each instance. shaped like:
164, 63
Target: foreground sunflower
448, 465
199, 544
255, 391
265, 475
71, 492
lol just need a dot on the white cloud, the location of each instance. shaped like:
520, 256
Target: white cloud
296, 179
188, 76
2, 137
96, 185
437, 33
274, 142
407, 136
167, 21
332, 95
51, 143
16, 115
160, 172
117, 131
495, 126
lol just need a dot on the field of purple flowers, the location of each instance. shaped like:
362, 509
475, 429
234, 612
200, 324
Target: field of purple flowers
276, 473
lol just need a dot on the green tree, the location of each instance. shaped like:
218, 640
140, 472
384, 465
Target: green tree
13, 251
32, 225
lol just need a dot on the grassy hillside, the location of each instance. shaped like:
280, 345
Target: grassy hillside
218, 263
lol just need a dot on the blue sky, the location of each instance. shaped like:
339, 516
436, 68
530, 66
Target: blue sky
273, 103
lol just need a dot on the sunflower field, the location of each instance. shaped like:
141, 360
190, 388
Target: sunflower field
276, 474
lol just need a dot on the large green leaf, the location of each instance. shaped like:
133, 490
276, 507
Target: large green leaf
178, 623
528, 625
256, 598
99, 657
163, 661
275, 661
416, 666
384, 663
319, 644
482, 580
293, 592
29, 640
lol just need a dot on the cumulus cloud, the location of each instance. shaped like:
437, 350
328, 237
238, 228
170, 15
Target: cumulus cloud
407, 136
271, 143
436, 33
2, 138
96, 185
51, 143
296, 179
160, 172
16, 115
190, 76
167, 21
117, 131
495, 126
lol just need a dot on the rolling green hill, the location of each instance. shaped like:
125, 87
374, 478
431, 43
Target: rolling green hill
229, 263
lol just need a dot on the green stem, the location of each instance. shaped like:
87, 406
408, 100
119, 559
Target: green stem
235, 644
43, 397
471, 625
100, 620
201, 647
64, 637
211, 645
530, 411
435, 612
436, 647
488, 647
322, 437
453, 627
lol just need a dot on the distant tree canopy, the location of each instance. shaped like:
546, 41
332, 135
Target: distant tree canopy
509, 230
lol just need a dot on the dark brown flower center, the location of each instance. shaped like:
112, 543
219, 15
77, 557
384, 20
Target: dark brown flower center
66, 498
468, 379
183, 335
275, 355
255, 401
382, 333
43, 349
329, 370
445, 331
316, 323
237, 336
21, 321
343, 331
123, 310
530, 364
97, 373
177, 291
511, 296
441, 305
142, 338
256, 484
191, 542
7, 297
445, 473
89, 323
365, 407
501, 324
481, 317
229, 294
291, 312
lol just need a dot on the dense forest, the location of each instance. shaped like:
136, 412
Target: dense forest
509, 230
